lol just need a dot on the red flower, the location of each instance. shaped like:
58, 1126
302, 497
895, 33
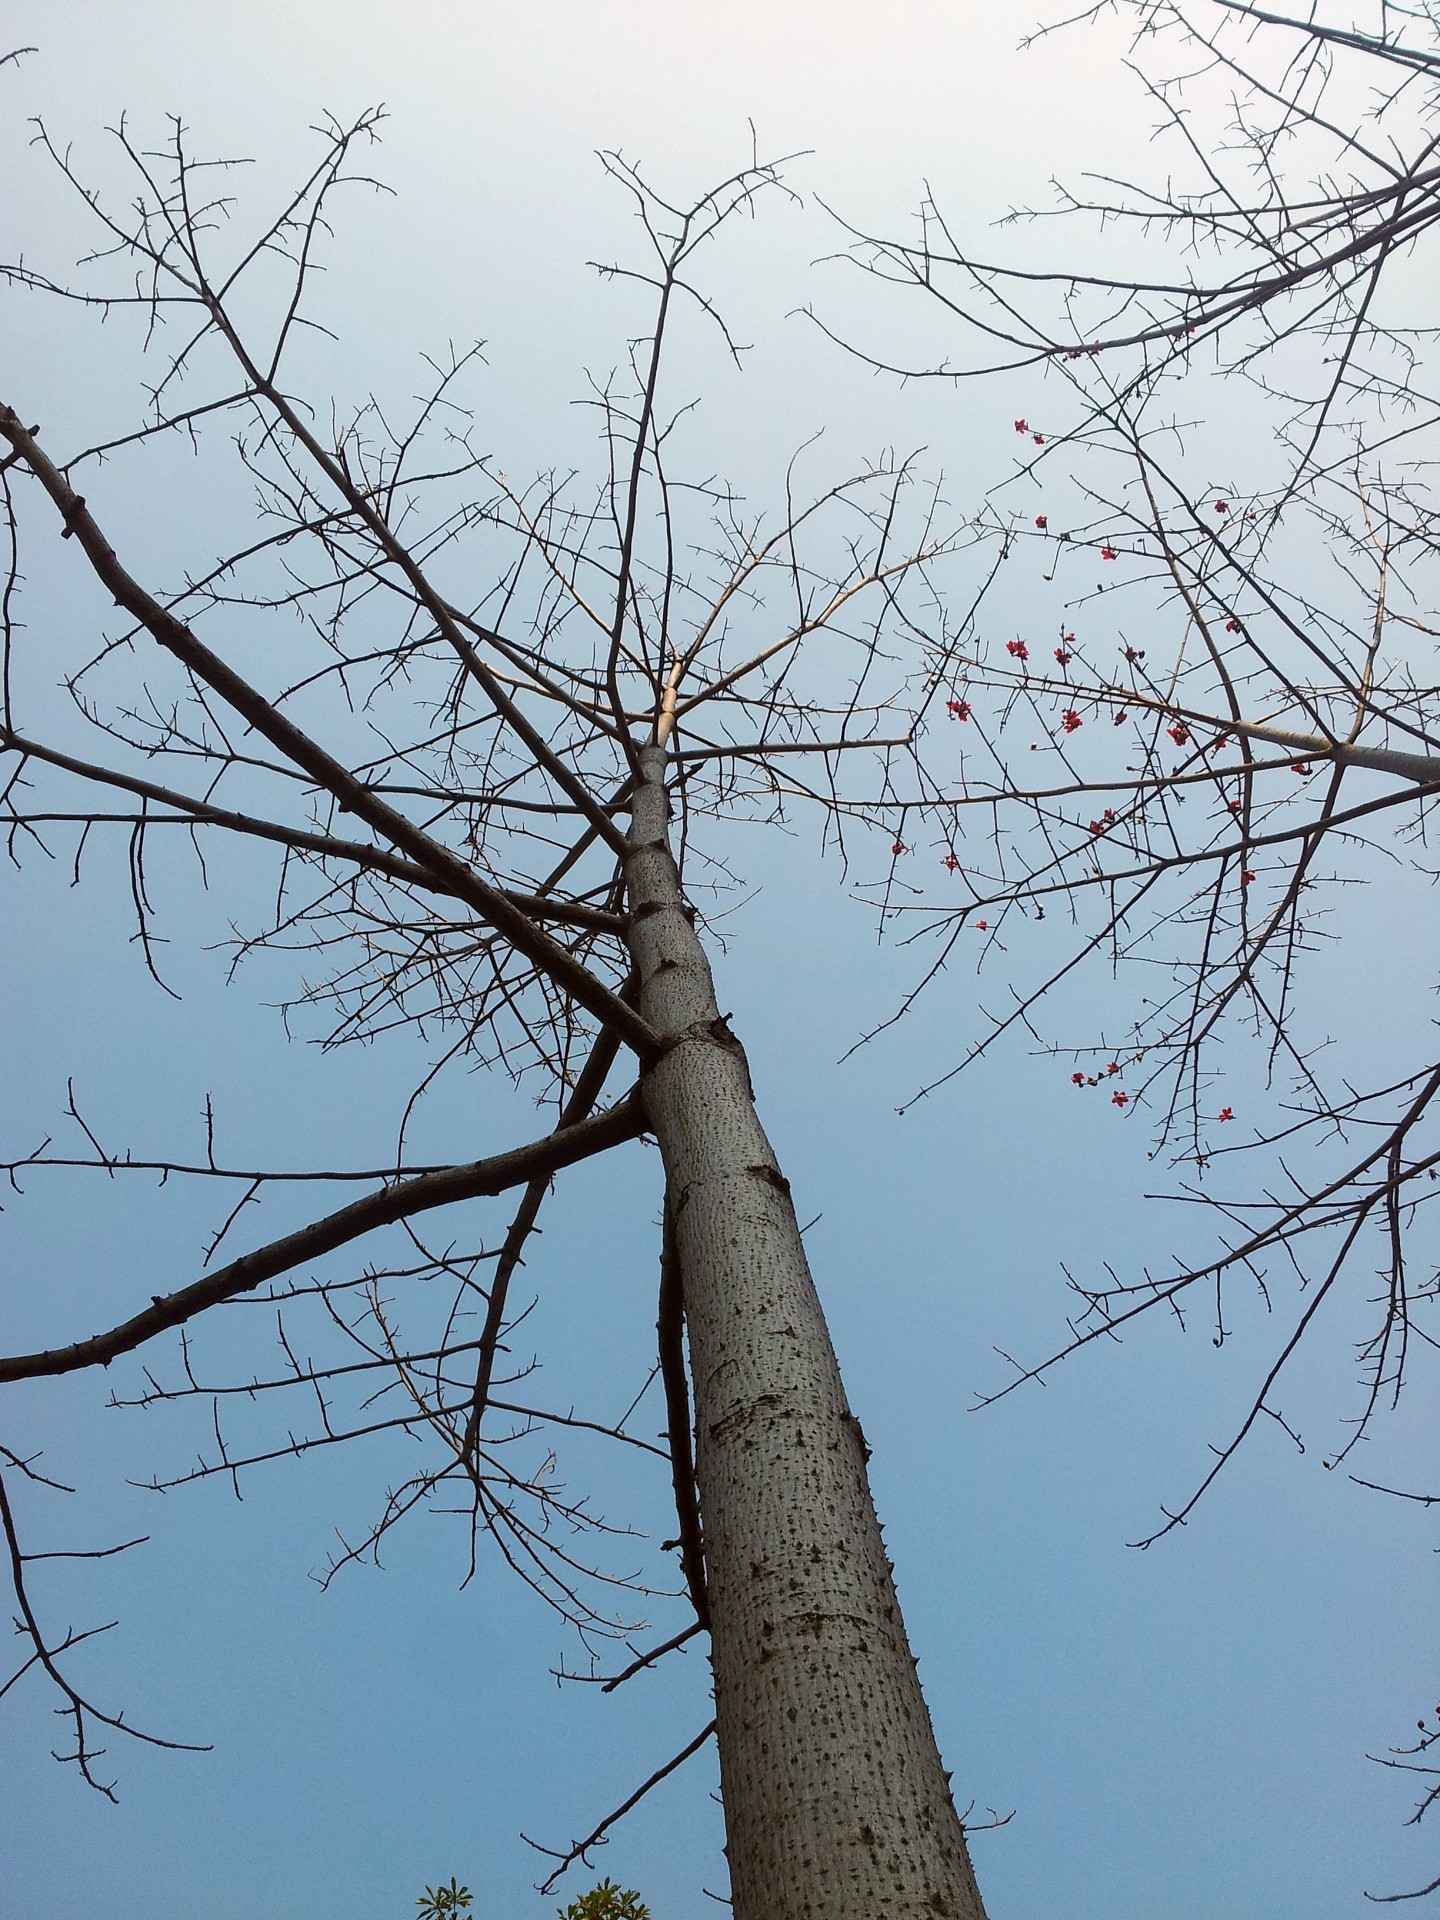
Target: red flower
1234, 805
951, 863
1300, 766
1038, 438
1179, 733
1042, 521
1018, 648
1077, 1079
1232, 626
1132, 654
1109, 813
1222, 506
1097, 826
898, 848
1064, 656
1022, 426
1119, 1099
1246, 877
982, 925
1114, 1067
1120, 719
1225, 1113
958, 709
1221, 744
1107, 553
1070, 720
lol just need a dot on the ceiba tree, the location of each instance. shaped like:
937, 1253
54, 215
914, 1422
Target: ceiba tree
494, 833
498, 853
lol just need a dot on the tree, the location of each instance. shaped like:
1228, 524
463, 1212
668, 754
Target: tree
607, 1902
663, 672
444, 1903
632, 652
1225, 484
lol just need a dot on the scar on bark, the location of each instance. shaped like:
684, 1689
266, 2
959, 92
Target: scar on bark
717, 1032
773, 1176
721, 1033
865, 1446
670, 1327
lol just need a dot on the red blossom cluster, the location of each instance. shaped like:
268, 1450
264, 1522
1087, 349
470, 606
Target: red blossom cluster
1246, 877
1018, 649
981, 925
1022, 426
1233, 626
1226, 1113
1106, 820
898, 848
1132, 654
1120, 718
1042, 521
1094, 1079
1107, 553
1179, 733
1070, 721
951, 864
958, 709
1064, 656
1222, 506
1300, 766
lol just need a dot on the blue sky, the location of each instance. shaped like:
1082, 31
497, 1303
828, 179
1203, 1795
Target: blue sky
1181, 1733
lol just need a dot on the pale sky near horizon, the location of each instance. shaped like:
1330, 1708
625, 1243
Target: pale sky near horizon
1181, 1733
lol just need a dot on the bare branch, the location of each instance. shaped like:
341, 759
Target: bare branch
401, 1201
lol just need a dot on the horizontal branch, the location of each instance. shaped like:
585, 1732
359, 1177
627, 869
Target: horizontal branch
1383, 48
1422, 768
762, 749
400, 1201
190, 811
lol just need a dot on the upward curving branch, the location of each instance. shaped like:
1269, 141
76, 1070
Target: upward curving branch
402, 1201
350, 793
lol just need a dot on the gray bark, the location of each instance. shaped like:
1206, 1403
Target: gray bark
836, 1803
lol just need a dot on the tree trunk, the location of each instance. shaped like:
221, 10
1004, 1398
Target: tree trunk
836, 1804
